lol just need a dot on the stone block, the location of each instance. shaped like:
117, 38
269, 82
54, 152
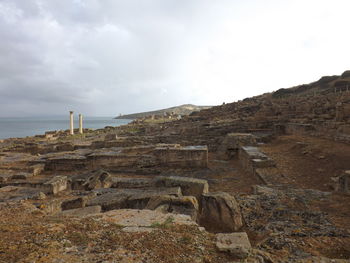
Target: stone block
37, 169
189, 156
189, 186
16, 193
55, 185
342, 183
74, 203
67, 162
21, 176
251, 158
119, 182
111, 137
51, 207
186, 205
110, 199
237, 244
233, 141
220, 212
92, 180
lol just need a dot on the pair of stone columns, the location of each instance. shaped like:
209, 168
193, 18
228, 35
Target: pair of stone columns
71, 118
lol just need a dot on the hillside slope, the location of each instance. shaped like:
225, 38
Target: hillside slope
185, 109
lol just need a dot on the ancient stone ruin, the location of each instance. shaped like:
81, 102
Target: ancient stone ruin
265, 179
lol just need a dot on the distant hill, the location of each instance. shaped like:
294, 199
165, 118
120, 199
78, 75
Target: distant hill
185, 109
324, 86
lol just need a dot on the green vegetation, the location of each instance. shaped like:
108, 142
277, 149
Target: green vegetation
165, 224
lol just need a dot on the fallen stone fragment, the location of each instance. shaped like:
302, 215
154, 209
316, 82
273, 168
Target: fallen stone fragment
220, 212
236, 244
186, 205
140, 200
264, 190
92, 180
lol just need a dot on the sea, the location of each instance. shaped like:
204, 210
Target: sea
23, 127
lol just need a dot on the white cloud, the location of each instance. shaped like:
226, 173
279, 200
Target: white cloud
111, 56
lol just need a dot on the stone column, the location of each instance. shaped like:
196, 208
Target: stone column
71, 132
80, 124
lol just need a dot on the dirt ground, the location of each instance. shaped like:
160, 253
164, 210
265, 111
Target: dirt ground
309, 162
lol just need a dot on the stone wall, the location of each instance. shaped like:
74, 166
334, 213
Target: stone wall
188, 156
133, 158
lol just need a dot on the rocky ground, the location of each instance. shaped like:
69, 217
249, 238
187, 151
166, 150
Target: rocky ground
260, 180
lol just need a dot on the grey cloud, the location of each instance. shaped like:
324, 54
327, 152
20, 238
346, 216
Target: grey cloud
117, 56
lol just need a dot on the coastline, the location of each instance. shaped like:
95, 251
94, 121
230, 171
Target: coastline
32, 126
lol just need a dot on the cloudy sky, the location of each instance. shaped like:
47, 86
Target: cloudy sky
105, 57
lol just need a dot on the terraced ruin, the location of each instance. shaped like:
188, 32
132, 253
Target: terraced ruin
265, 179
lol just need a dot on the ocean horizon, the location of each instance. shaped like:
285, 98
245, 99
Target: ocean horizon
19, 127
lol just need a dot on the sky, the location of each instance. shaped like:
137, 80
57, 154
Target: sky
106, 57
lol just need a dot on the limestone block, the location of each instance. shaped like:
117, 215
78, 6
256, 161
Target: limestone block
51, 207
37, 169
189, 156
220, 212
236, 244
110, 199
74, 203
120, 182
56, 184
189, 186
63, 147
111, 137
67, 162
16, 193
21, 176
233, 141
